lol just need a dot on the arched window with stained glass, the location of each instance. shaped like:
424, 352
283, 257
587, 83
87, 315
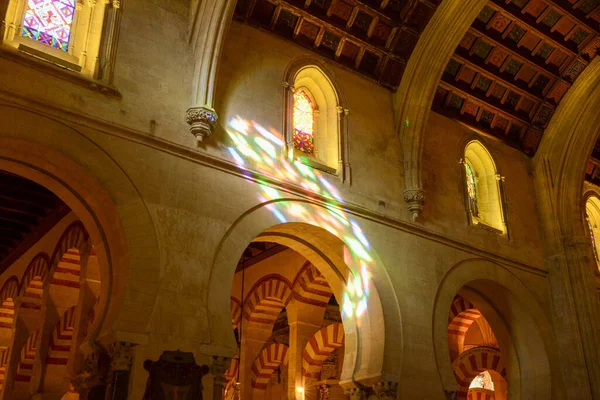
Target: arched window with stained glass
304, 122
471, 189
592, 237
49, 22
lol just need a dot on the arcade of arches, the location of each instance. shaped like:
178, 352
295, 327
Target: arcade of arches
308, 200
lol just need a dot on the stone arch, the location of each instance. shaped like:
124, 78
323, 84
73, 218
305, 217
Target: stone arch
62, 336
412, 102
592, 214
32, 283
28, 353
462, 314
96, 188
4, 356
8, 294
311, 287
266, 299
512, 311
236, 312
474, 361
364, 352
266, 362
319, 347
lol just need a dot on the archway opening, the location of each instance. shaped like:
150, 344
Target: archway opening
288, 325
51, 283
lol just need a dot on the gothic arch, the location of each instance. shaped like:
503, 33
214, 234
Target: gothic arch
512, 311
52, 154
365, 361
319, 347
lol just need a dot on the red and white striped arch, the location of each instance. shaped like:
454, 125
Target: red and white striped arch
231, 373
62, 338
311, 287
319, 347
4, 351
25, 367
473, 362
8, 293
265, 301
462, 314
236, 312
480, 394
32, 284
66, 257
267, 361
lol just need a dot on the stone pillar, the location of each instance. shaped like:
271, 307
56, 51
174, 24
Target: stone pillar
121, 357
218, 369
304, 320
252, 343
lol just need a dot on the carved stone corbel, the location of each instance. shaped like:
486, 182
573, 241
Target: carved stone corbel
386, 390
415, 199
202, 121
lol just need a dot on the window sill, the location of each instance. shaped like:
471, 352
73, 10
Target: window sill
313, 163
46, 65
486, 227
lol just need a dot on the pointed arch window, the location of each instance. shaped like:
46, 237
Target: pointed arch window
304, 122
483, 189
592, 238
49, 22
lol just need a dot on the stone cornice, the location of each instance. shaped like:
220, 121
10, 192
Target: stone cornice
206, 160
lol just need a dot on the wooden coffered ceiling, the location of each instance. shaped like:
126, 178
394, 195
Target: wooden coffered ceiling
515, 64
27, 212
373, 37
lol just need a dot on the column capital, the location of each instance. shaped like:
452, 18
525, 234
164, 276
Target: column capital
219, 365
386, 390
324, 391
202, 121
415, 200
121, 355
357, 393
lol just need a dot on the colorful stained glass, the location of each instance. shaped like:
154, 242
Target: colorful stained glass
304, 121
471, 189
49, 22
592, 238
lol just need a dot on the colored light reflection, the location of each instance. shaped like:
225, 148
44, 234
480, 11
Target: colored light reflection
265, 150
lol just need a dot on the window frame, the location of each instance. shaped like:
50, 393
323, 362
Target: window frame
92, 45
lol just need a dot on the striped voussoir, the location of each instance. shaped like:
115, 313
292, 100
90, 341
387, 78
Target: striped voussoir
462, 314
267, 361
25, 368
32, 285
8, 293
319, 347
236, 312
4, 351
310, 287
66, 256
480, 394
62, 337
267, 298
231, 373
473, 362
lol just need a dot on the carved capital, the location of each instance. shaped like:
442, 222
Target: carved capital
356, 394
386, 390
218, 368
324, 391
451, 394
202, 121
415, 199
116, 3
121, 356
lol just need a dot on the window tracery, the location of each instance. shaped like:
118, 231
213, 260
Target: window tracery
49, 22
303, 122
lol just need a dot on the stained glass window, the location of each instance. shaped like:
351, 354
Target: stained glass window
593, 239
471, 189
49, 22
304, 121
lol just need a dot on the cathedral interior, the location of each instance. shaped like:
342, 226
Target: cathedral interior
299, 199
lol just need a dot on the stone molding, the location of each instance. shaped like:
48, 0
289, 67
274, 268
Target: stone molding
202, 121
386, 390
415, 199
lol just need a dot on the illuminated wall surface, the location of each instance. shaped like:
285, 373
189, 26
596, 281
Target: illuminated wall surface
256, 148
